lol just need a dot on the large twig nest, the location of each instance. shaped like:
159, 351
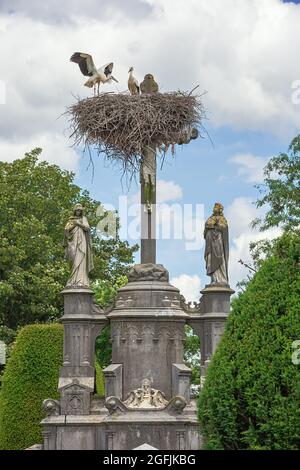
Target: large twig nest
122, 125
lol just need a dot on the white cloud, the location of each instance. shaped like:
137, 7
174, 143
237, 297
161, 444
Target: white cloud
232, 52
54, 150
250, 167
239, 215
189, 286
168, 191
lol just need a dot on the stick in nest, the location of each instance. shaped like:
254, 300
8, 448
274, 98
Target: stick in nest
122, 125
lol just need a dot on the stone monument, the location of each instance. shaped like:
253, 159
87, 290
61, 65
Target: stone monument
147, 401
209, 316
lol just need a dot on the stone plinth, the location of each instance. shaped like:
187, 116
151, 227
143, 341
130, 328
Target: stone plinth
209, 320
83, 321
123, 430
147, 385
147, 396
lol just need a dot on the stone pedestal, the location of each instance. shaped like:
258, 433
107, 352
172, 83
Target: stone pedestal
209, 318
147, 385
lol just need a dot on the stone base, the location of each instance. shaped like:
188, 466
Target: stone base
123, 431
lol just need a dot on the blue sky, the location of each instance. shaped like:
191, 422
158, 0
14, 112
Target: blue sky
243, 56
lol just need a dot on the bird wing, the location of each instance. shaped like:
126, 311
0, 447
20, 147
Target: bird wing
107, 68
85, 62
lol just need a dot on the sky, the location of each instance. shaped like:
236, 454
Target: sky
241, 53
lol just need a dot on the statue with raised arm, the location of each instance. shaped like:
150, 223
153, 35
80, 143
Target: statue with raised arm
78, 246
217, 246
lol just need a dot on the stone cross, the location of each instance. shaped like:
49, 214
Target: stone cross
148, 189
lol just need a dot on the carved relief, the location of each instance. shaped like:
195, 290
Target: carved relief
176, 405
114, 404
75, 399
148, 272
191, 307
51, 407
146, 397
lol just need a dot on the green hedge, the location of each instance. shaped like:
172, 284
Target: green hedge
252, 390
100, 384
30, 376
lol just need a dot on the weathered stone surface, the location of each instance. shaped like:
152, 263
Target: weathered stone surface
115, 405
181, 381
147, 325
51, 407
75, 399
147, 349
145, 446
113, 380
36, 447
148, 272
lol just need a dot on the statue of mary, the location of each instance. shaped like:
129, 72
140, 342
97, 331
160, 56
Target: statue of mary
217, 246
77, 243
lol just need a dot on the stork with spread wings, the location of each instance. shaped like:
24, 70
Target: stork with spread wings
87, 67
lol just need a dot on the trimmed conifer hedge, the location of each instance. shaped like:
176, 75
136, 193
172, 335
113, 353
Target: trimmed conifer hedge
252, 391
30, 376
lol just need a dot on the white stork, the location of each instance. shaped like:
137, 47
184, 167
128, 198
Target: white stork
133, 84
87, 67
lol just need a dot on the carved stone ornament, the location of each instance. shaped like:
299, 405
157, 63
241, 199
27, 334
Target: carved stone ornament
51, 407
146, 397
114, 404
190, 307
176, 405
148, 272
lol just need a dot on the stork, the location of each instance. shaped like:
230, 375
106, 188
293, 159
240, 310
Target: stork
87, 67
133, 84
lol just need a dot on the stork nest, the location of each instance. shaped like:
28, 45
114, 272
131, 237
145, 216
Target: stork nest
122, 125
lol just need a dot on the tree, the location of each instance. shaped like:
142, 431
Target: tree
36, 200
281, 190
252, 389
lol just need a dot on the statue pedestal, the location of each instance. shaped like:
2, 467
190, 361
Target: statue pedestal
147, 327
83, 321
208, 321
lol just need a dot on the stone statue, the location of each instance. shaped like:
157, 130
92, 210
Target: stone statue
77, 243
217, 246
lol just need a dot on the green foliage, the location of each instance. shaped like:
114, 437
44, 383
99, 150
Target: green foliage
36, 201
192, 354
252, 390
100, 386
31, 375
281, 190
105, 294
105, 291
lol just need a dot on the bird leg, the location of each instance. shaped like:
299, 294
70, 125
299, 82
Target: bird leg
98, 87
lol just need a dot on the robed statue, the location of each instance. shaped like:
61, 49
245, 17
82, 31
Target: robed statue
217, 246
78, 246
